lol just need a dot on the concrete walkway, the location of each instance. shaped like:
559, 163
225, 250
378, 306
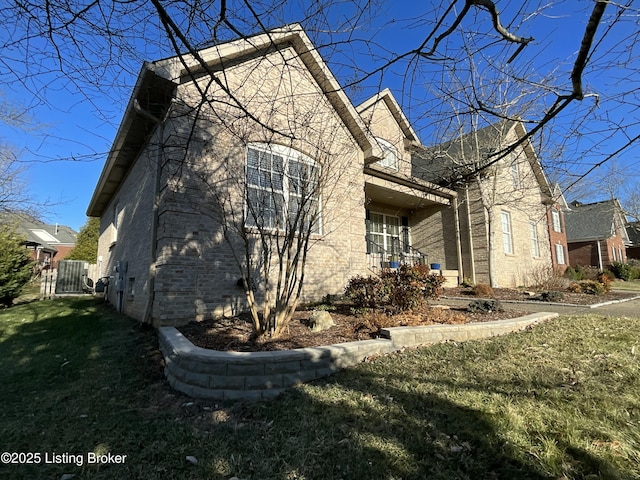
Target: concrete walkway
630, 308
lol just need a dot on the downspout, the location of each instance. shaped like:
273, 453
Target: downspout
472, 259
148, 312
456, 217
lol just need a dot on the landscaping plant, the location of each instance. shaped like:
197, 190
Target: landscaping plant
16, 266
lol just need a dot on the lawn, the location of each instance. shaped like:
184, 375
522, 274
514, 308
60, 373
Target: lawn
559, 401
631, 286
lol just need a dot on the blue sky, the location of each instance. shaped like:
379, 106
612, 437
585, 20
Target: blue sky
67, 146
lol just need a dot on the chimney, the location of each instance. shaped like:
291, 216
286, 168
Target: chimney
57, 228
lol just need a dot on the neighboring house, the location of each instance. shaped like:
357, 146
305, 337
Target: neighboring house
596, 233
558, 230
187, 181
48, 243
503, 205
633, 232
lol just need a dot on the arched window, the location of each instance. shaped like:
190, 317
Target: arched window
283, 189
390, 159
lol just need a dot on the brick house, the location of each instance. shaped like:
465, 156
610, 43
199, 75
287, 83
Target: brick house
596, 233
558, 230
203, 137
48, 244
504, 207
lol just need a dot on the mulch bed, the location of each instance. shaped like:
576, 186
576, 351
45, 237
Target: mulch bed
236, 334
520, 295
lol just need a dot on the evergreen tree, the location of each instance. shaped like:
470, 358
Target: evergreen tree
16, 266
87, 242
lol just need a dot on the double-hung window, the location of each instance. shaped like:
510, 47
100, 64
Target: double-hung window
560, 257
535, 245
555, 221
282, 189
507, 237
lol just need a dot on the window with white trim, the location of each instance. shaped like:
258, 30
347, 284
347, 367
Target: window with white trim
282, 189
535, 245
390, 159
560, 257
515, 175
383, 234
555, 221
116, 221
507, 237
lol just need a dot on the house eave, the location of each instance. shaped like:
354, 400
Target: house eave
149, 102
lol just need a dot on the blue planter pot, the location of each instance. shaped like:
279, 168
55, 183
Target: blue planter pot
394, 264
435, 266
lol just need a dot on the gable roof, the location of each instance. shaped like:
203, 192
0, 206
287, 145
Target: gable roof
393, 106
157, 83
594, 221
633, 232
445, 163
44, 235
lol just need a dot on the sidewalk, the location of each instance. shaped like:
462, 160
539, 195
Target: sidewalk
630, 308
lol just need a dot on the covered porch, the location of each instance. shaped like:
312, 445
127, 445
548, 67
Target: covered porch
410, 221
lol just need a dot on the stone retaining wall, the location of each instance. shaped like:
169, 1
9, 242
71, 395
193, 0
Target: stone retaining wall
203, 373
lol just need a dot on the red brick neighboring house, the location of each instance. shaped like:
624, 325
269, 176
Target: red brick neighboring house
558, 230
633, 231
596, 233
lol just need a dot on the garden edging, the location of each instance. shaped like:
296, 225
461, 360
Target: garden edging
212, 374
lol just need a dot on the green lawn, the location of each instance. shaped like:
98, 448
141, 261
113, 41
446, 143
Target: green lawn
561, 401
633, 285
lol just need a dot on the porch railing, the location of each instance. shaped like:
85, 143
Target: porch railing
399, 253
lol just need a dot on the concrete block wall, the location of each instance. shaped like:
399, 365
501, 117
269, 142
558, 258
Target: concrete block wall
212, 374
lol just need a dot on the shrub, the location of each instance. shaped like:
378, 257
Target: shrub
574, 273
366, 292
406, 288
546, 277
575, 287
16, 267
485, 306
410, 286
483, 290
604, 279
592, 288
551, 296
621, 270
635, 272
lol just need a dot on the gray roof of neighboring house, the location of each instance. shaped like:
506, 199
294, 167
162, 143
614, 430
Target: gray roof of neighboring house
590, 221
633, 230
48, 236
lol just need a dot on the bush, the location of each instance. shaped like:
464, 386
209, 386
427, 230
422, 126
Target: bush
621, 270
582, 273
483, 290
366, 292
485, 306
16, 266
592, 288
547, 278
405, 288
551, 296
575, 287
604, 279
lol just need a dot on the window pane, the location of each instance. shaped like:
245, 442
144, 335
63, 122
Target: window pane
506, 233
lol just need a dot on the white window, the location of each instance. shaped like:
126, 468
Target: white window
282, 189
507, 238
555, 220
390, 159
116, 221
560, 258
383, 234
613, 254
535, 246
515, 175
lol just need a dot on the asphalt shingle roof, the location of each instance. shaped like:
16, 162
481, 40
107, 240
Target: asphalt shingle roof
590, 220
